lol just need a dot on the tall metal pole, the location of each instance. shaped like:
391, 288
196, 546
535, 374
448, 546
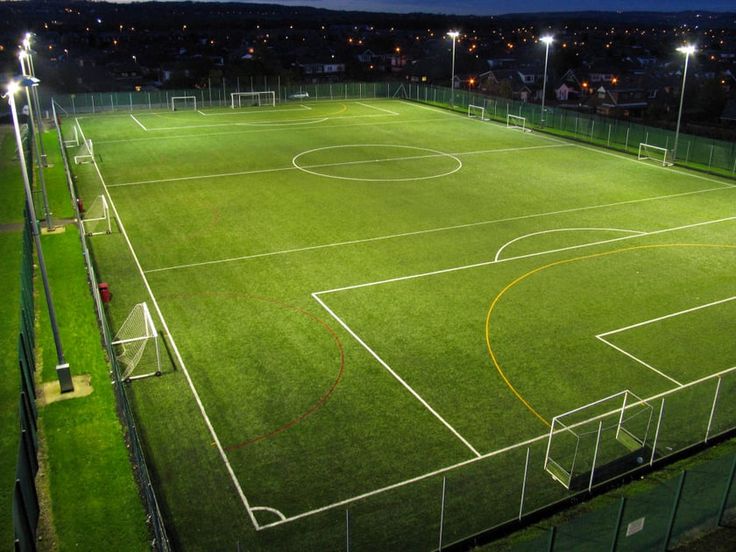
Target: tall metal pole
37, 139
454, 35
547, 41
687, 50
62, 368
34, 92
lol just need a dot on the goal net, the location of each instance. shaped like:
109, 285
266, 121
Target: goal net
599, 441
252, 99
477, 112
86, 153
656, 153
137, 345
74, 142
184, 102
96, 219
516, 122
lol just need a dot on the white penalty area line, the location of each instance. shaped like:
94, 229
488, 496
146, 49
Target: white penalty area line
602, 336
428, 231
175, 348
383, 363
327, 165
252, 111
377, 108
139, 123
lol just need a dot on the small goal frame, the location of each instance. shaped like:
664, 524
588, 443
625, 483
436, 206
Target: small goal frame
73, 142
99, 211
87, 154
645, 149
473, 111
138, 342
264, 97
516, 122
629, 440
174, 99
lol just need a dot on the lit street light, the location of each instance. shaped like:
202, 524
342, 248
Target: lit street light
453, 35
31, 70
62, 368
547, 41
688, 49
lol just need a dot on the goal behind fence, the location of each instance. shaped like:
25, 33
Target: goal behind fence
253, 99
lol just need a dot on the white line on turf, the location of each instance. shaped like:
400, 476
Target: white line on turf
276, 123
395, 375
553, 230
255, 111
529, 255
200, 112
325, 165
640, 361
139, 123
428, 231
175, 348
268, 509
377, 108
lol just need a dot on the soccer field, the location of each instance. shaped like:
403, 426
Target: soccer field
374, 310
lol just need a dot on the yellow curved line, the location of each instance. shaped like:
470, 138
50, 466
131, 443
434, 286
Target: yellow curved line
550, 265
341, 110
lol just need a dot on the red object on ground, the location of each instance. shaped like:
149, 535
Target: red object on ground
105, 294
80, 205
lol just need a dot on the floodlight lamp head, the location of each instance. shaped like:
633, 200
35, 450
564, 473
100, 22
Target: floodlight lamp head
687, 49
22, 54
12, 87
453, 34
26, 43
547, 39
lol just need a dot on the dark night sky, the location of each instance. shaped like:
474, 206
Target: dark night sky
481, 7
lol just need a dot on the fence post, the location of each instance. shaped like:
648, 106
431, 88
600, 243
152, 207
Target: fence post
687, 154
673, 515
617, 529
442, 511
91, 97
551, 538
608, 141
347, 530
710, 157
726, 493
626, 143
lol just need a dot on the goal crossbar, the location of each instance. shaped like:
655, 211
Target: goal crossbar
97, 220
516, 122
477, 111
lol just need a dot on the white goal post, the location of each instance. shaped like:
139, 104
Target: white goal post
184, 102
249, 99
75, 141
86, 154
610, 436
656, 153
517, 122
477, 111
96, 219
131, 345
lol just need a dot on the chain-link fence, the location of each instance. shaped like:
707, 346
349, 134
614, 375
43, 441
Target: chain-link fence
155, 519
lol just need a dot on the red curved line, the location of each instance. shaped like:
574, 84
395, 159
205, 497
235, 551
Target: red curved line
321, 401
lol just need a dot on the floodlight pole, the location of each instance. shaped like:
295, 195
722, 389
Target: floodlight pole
453, 35
687, 50
37, 139
32, 72
62, 368
547, 41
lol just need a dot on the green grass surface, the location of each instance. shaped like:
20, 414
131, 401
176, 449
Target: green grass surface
11, 210
374, 294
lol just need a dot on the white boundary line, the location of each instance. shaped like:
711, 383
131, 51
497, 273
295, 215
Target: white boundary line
528, 255
428, 231
602, 336
519, 238
175, 349
139, 123
257, 111
396, 376
377, 108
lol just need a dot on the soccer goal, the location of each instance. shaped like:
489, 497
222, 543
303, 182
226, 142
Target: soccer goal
252, 99
96, 220
184, 102
599, 441
86, 153
656, 153
477, 112
75, 141
517, 122
132, 348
